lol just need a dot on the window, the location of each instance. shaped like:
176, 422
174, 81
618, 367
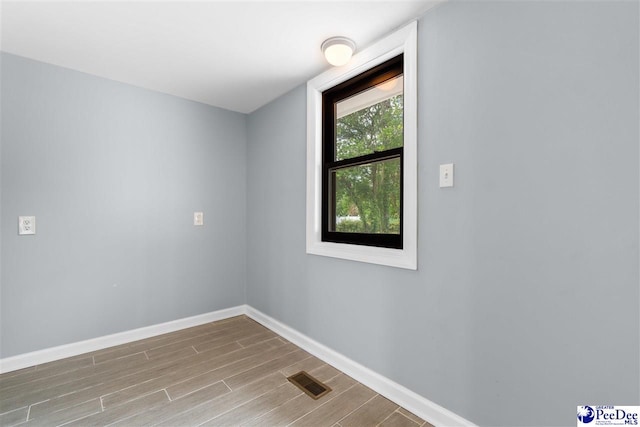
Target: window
363, 132
362, 172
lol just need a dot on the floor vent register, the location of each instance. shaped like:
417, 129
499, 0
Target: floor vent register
309, 385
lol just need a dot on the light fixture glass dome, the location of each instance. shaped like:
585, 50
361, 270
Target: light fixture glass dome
338, 50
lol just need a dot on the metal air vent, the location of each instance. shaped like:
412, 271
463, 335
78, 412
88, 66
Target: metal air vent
309, 385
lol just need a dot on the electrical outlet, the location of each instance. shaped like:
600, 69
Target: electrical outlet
198, 218
26, 225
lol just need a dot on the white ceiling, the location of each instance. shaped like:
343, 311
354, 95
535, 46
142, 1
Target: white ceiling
237, 55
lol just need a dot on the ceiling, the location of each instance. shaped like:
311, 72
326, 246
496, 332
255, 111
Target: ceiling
237, 55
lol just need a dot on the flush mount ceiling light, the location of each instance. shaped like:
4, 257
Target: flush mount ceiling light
338, 50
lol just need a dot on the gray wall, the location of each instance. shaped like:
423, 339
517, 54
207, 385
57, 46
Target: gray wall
113, 174
526, 300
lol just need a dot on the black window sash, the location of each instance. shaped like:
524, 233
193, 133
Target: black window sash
366, 80
329, 213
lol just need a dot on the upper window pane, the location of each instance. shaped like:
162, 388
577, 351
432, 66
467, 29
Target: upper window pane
371, 120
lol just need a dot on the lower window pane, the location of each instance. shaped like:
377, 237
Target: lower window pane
367, 198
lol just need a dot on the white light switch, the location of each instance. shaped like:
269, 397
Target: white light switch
26, 225
446, 175
198, 218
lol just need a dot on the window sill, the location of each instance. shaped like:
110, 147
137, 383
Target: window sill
400, 258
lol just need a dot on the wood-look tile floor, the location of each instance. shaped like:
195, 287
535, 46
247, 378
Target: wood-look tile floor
227, 373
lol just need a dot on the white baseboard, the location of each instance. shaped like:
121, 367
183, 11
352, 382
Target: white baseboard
422, 407
26, 360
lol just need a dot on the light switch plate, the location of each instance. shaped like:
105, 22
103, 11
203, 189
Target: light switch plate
198, 218
446, 175
26, 225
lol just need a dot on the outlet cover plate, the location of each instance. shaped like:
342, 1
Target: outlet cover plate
26, 225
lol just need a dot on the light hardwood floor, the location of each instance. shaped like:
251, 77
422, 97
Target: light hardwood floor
227, 373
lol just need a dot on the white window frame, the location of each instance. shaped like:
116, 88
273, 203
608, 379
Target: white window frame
402, 41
